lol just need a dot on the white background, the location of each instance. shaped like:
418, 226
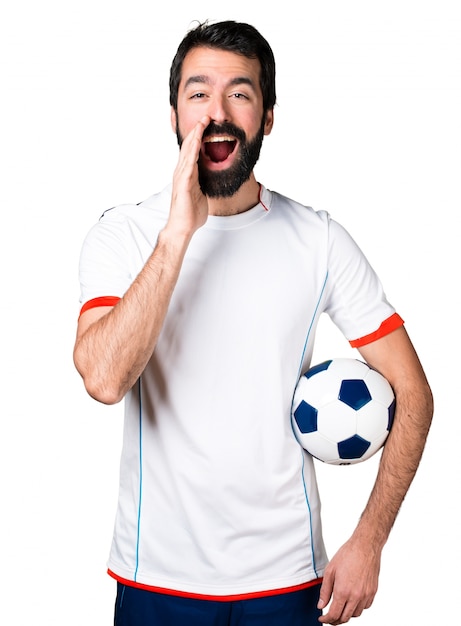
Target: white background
367, 127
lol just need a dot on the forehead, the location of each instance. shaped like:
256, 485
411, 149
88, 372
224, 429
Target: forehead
219, 66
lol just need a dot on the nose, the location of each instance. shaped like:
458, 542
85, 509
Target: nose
218, 110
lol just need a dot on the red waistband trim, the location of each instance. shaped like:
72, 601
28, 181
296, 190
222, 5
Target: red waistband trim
201, 596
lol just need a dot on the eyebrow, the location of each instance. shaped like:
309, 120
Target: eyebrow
204, 80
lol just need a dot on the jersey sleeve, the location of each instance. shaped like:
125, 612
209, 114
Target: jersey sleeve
355, 298
104, 270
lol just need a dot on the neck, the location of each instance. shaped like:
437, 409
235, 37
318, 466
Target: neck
244, 199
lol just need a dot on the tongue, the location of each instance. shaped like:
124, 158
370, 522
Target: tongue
218, 151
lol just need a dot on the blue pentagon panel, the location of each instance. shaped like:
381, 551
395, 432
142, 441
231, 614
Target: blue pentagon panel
306, 417
354, 393
391, 411
353, 448
315, 369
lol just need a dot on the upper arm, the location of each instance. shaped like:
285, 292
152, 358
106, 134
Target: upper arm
354, 296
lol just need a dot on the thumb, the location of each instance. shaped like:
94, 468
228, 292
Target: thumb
325, 592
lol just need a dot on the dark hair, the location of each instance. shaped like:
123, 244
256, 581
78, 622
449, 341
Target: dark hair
234, 37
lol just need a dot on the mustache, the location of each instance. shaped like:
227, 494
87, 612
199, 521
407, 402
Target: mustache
227, 128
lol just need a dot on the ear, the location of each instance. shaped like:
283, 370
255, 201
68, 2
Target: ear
173, 119
269, 121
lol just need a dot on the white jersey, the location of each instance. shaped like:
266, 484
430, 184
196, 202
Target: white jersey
217, 498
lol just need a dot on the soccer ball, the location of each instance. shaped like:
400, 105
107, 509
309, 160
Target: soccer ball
342, 411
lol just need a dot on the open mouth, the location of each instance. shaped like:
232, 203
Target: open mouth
218, 147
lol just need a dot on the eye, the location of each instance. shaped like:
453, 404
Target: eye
198, 96
239, 96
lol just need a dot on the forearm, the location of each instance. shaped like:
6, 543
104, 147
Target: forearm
351, 577
113, 351
399, 461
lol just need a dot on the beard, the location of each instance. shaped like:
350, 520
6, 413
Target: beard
226, 183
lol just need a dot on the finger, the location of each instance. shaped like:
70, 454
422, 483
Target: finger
342, 614
332, 617
337, 612
186, 167
192, 143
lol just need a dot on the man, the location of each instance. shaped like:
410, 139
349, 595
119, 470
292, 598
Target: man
199, 308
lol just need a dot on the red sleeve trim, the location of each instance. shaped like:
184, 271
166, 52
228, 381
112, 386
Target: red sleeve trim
392, 323
95, 302
228, 598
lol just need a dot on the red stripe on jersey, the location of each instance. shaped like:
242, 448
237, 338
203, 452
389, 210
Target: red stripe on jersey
261, 199
392, 323
95, 302
200, 596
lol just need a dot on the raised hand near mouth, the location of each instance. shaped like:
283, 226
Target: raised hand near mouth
189, 206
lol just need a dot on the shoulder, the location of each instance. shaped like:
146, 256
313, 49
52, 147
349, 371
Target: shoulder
309, 220
156, 204
293, 212
127, 223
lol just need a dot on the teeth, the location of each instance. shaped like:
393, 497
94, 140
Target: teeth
217, 139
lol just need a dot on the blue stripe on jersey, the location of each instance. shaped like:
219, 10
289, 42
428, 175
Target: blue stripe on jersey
140, 479
310, 326
310, 518
302, 452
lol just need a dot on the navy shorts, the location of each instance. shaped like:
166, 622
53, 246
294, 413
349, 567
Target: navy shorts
137, 607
